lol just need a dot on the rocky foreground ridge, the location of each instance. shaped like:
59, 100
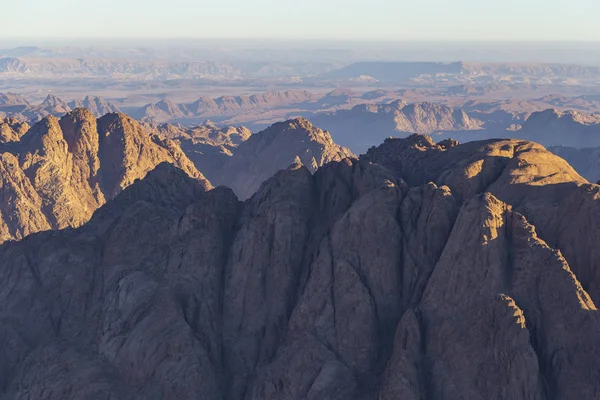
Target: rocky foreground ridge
419, 271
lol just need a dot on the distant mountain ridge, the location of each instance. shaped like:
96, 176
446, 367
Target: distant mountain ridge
14, 105
389, 72
165, 110
364, 125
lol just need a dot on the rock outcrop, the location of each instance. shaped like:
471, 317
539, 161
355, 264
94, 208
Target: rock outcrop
419, 271
60, 171
263, 154
207, 146
11, 129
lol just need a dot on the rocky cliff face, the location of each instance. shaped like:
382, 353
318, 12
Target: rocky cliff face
11, 129
420, 271
263, 154
59, 172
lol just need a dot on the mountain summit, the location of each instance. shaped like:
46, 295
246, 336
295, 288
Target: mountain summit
263, 154
59, 172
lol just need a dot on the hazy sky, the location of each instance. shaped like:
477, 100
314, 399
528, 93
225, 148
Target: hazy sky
305, 19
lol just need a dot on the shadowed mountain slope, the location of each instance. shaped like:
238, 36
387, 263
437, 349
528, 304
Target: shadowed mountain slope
263, 154
419, 271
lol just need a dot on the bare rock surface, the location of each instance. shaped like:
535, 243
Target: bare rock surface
58, 172
207, 146
11, 129
263, 154
419, 271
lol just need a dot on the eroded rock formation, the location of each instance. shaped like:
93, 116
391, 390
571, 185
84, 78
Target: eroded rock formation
59, 172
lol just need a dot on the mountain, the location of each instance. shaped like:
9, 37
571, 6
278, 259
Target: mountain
59, 67
366, 124
418, 271
164, 110
263, 154
224, 106
242, 161
207, 146
60, 171
96, 105
15, 105
12, 99
12, 103
555, 128
585, 161
54, 105
11, 129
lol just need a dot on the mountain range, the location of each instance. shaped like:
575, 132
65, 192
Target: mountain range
58, 172
363, 125
14, 105
418, 271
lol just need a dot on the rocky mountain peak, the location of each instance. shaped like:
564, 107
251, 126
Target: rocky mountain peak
96, 105
12, 99
12, 129
45, 136
61, 171
278, 146
53, 101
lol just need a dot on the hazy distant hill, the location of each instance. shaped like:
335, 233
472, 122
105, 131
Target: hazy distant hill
367, 124
15, 105
555, 128
389, 72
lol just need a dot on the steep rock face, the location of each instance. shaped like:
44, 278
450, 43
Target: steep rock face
12, 129
127, 153
273, 149
21, 204
46, 160
59, 172
375, 278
